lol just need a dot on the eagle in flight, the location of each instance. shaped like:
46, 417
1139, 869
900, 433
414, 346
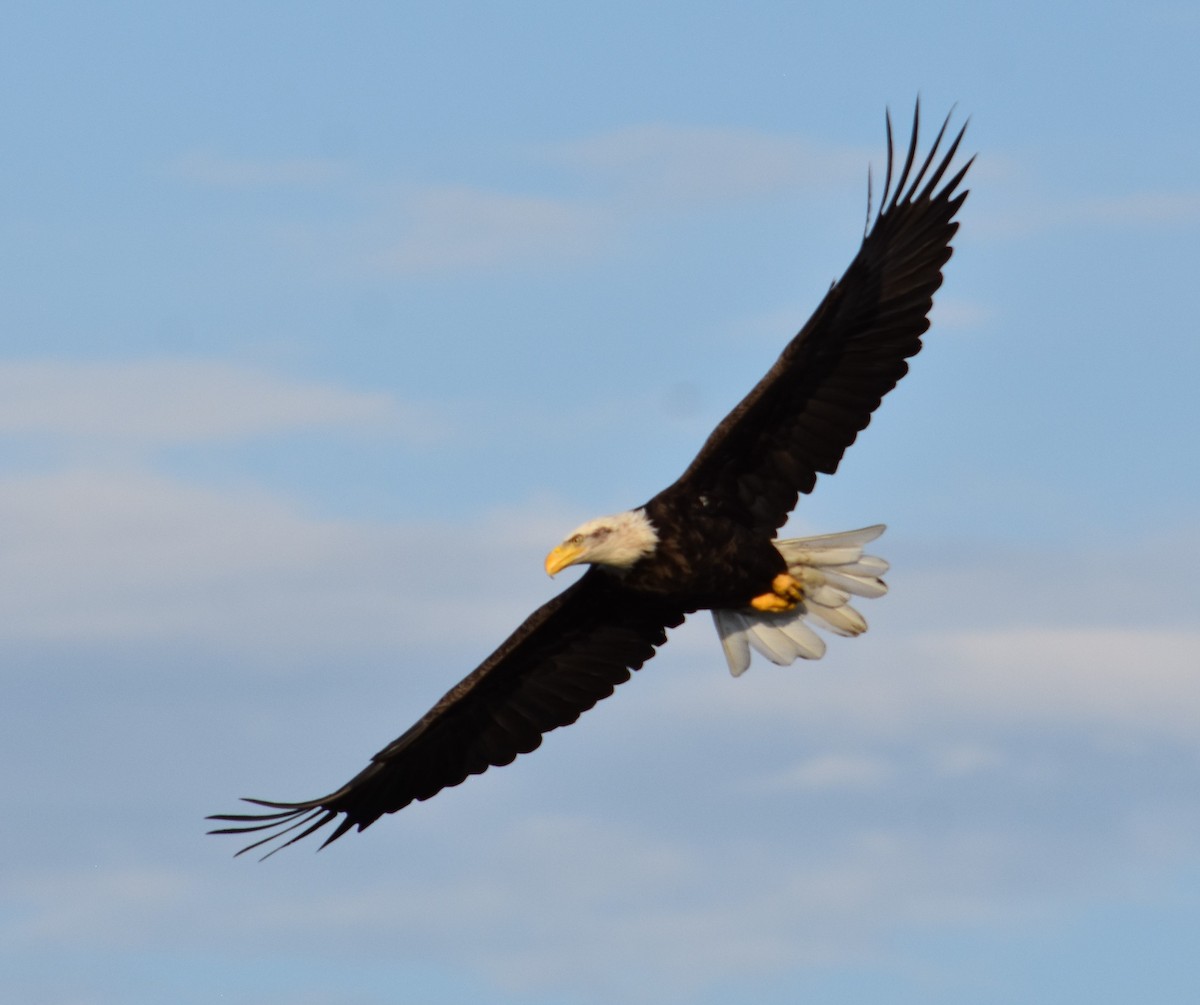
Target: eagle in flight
707, 542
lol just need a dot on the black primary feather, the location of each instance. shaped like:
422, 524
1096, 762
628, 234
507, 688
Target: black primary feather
568, 655
795, 424
799, 419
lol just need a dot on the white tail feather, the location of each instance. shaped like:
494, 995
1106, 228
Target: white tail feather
831, 567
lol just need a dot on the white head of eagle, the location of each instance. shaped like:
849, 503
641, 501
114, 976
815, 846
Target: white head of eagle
616, 541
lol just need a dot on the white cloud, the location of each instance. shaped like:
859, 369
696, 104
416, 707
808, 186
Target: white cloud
1147, 210
458, 227
116, 905
96, 554
643, 172
1132, 682
1143, 209
150, 403
1138, 680
832, 771
205, 168
953, 314
683, 909
909, 783
102, 555
651, 163
914, 780
960, 760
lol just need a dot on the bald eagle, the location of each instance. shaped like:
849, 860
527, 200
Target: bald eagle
705, 543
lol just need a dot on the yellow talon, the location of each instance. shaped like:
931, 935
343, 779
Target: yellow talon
786, 593
789, 587
771, 603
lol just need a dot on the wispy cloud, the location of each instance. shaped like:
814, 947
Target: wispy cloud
103, 555
1143, 209
1130, 681
1146, 210
951, 313
606, 187
212, 170
65, 906
616, 183
830, 772
929, 780
697, 164
177, 401
447, 228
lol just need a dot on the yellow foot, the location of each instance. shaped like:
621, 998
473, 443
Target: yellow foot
786, 593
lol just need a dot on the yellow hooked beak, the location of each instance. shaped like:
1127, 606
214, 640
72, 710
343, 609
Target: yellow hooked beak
562, 556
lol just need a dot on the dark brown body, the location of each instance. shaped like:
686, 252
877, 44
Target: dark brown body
709, 560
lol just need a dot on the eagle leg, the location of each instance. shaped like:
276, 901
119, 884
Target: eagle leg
786, 593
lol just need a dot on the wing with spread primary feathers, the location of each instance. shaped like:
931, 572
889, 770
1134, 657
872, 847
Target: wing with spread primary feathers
796, 423
568, 655
800, 418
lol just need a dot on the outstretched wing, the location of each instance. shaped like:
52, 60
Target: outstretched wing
800, 418
568, 655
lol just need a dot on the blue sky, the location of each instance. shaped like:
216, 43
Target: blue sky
320, 324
